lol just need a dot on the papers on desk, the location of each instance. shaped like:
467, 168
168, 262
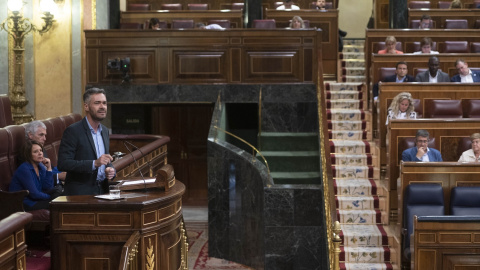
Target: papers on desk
108, 197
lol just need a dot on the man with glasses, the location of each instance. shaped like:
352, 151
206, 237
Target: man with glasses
421, 152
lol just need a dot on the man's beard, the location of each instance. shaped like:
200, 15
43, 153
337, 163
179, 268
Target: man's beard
98, 119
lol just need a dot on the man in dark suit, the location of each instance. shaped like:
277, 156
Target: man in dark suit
421, 152
84, 149
433, 74
465, 75
399, 77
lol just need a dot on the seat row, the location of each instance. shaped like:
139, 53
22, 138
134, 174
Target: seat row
189, 24
447, 47
428, 200
440, 4
448, 108
448, 24
179, 6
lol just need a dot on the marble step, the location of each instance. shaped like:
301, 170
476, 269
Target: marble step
352, 55
355, 172
344, 95
350, 147
293, 161
288, 141
353, 63
343, 114
347, 125
368, 266
294, 178
366, 254
355, 160
353, 78
353, 71
361, 203
359, 187
364, 235
354, 41
345, 104
352, 49
336, 86
348, 135
369, 217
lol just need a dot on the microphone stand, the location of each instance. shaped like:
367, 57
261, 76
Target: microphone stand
136, 162
148, 161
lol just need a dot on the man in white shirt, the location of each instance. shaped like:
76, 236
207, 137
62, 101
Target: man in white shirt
208, 27
288, 5
465, 75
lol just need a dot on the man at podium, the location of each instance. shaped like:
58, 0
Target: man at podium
84, 149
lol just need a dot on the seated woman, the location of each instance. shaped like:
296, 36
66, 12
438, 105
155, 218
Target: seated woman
390, 44
456, 4
426, 46
35, 175
401, 107
472, 155
297, 23
154, 24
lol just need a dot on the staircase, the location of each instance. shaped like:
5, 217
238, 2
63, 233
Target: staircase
293, 158
361, 196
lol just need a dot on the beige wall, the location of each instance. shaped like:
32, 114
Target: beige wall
354, 16
52, 65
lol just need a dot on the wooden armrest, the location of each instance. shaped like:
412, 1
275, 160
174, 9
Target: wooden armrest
14, 222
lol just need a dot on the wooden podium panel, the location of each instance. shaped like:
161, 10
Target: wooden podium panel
89, 233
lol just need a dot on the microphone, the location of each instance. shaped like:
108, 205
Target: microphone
136, 162
148, 161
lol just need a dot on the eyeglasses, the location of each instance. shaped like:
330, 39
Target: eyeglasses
422, 141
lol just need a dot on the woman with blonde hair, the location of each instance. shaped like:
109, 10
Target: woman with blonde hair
456, 4
401, 107
297, 23
472, 155
390, 46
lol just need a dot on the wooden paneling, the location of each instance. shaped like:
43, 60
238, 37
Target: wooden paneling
203, 57
443, 130
98, 244
440, 15
422, 91
235, 16
461, 251
327, 21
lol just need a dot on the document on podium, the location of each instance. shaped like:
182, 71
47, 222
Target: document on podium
138, 182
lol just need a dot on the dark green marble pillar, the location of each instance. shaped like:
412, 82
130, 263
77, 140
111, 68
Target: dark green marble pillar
253, 11
398, 14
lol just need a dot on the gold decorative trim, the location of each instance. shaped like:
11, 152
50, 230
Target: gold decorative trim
150, 256
184, 252
326, 188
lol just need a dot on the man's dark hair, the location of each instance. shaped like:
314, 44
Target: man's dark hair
26, 151
401, 63
425, 17
92, 91
422, 133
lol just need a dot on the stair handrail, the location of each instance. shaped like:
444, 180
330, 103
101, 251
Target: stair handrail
129, 257
255, 150
260, 119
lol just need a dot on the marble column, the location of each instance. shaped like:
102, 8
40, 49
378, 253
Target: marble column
398, 14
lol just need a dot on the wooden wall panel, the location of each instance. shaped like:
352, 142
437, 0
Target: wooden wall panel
192, 56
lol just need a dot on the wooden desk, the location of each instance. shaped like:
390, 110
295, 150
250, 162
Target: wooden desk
235, 16
89, 233
205, 56
446, 243
325, 20
440, 15
447, 134
422, 91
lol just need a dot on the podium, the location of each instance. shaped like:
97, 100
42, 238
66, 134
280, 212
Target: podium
90, 233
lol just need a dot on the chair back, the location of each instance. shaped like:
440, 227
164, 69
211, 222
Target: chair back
5, 166
384, 72
138, 7
420, 200
471, 108
417, 103
232, 6
415, 47
444, 4
415, 24
463, 145
475, 47
198, 7
443, 108
6, 118
418, 70
456, 24
465, 201
177, 24
381, 46
419, 4
456, 47
264, 24
222, 23
175, 6
125, 25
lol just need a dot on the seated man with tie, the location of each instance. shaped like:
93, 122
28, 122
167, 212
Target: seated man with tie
465, 75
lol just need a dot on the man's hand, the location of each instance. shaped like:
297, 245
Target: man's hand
109, 173
103, 160
61, 176
420, 152
47, 163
